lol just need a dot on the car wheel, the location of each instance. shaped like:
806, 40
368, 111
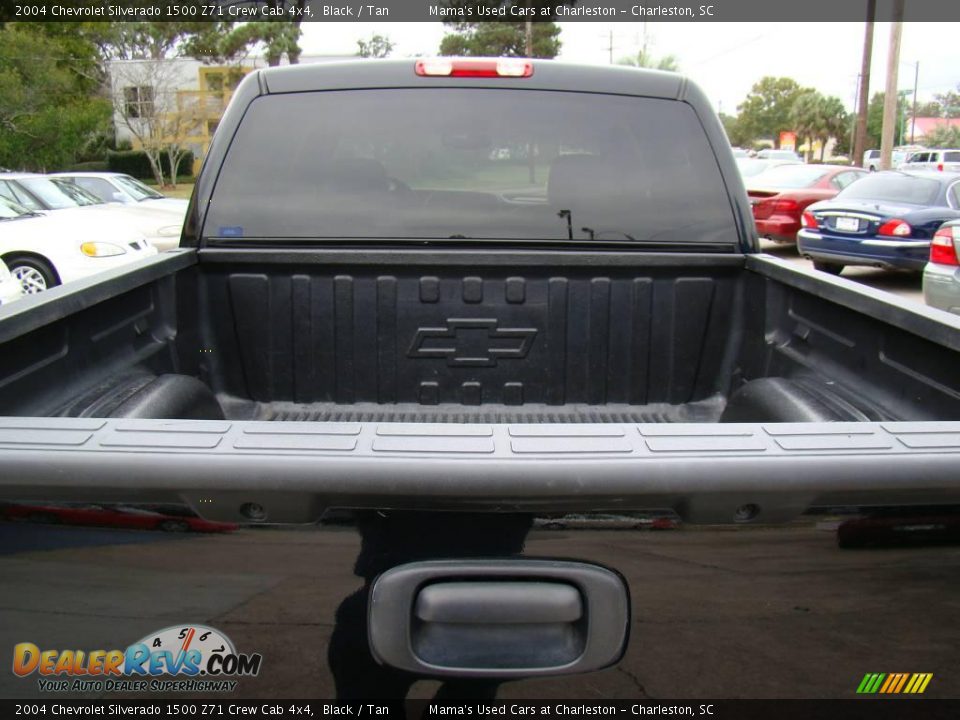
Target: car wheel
828, 267
174, 526
35, 275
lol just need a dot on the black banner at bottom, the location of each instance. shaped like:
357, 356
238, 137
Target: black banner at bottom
867, 709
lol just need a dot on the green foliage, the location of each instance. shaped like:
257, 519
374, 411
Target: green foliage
929, 109
815, 117
766, 110
504, 38
949, 104
376, 46
735, 133
90, 166
943, 136
645, 59
224, 42
47, 113
137, 164
875, 121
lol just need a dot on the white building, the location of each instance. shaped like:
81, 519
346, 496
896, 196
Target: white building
183, 99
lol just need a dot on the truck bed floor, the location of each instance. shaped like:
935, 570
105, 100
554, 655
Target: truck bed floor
703, 411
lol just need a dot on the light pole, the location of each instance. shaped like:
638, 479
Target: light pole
916, 80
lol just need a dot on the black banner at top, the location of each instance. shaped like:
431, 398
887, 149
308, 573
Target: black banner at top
478, 10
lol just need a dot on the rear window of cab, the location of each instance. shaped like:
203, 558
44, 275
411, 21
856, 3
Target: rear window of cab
462, 163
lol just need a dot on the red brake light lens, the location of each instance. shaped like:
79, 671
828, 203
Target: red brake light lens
895, 228
807, 220
460, 67
942, 249
786, 205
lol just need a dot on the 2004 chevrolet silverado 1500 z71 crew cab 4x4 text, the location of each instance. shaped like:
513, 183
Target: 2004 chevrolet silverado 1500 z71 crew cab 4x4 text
451, 296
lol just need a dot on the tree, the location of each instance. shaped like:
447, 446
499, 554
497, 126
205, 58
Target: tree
48, 111
735, 132
949, 104
766, 110
943, 136
805, 118
506, 38
875, 120
225, 42
376, 46
930, 108
834, 122
501, 39
645, 59
148, 101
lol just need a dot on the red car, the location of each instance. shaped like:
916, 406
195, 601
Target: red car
116, 516
780, 194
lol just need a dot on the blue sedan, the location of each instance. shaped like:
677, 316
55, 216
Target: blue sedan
885, 219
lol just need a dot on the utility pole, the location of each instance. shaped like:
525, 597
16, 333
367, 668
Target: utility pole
916, 81
891, 96
860, 136
856, 158
529, 39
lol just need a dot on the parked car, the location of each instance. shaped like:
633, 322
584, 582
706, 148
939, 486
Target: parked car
117, 187
739, 152
886, 219
45, 250
941, 276
871, 158
608, 521
939, 160
901, 527
45, 193
116, 516
780, 194
10, 287
771, 154
754, 166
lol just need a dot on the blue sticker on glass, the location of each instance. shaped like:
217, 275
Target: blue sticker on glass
231, 231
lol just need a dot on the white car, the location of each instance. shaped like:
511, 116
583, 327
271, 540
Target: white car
42, 251
46, 193
117, 187
10, 287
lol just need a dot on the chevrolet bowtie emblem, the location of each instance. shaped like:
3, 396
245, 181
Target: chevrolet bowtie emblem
469, 342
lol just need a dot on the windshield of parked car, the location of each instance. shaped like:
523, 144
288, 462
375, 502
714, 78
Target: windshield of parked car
471, 163
749, 167
789, 176
58, 194
893, 187
136, 189
10, 210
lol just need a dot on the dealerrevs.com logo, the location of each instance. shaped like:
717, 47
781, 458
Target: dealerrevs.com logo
181, 658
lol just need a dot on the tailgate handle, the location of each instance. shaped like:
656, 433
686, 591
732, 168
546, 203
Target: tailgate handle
503, 618
481, 603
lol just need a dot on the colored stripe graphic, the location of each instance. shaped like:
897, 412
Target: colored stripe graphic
862, 687
903, 681
894, 683
875, 685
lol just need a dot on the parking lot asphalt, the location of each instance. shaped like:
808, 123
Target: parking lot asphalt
765, 612
903, 284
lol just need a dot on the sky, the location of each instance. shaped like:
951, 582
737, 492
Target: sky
725, 59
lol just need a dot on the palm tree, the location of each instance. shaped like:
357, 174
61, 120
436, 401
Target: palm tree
805, 118
644, 59
833, 121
